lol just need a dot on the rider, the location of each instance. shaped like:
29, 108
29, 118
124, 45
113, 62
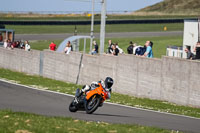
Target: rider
107, 84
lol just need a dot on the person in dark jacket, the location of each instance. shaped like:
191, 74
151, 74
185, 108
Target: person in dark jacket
130, 48
96, 48
197, 50
115, 50
109, 50
190, 55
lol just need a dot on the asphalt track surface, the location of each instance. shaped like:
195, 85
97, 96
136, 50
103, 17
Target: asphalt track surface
108, 35
23, 99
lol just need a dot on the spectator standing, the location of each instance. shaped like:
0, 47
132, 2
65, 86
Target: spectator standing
52, 46
5, 44
197, 50
8, 43
151, 44
120, 50
68, 48
139, 50
13, 45
130, 48
190, 55
22, 46
1, 37
109, 50
115, 50
149, 51
18, 44
96, 48
27, 46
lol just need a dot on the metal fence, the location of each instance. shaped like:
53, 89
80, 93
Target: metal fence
63, 12
88, 22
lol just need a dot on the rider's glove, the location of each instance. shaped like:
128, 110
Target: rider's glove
108, 89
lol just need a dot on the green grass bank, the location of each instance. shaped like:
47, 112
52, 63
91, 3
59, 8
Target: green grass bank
52, 29
18, 122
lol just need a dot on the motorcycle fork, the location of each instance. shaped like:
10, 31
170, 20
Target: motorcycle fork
94, 97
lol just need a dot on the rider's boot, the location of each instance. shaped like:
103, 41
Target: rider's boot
84, 89
80, 93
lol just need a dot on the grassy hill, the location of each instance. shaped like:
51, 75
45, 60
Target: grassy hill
181, 7
162, 10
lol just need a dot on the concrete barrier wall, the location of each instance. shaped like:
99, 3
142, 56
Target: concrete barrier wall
194, 84
170, 79
20, 60
126, 75
89, 69
66, 67
180, 81
149, 75
60, 66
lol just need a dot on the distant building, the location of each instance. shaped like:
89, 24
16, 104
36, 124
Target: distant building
6, 34
190, 37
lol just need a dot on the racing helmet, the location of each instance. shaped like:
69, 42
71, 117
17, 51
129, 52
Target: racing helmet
108, 82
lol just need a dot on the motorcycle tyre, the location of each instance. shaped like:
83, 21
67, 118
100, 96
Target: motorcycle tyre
95, 106
72, 107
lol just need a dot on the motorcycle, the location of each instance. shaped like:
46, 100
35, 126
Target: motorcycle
89, 101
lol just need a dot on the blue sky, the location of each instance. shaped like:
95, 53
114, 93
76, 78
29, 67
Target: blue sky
72, 5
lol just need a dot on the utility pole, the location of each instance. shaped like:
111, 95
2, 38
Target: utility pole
199, 29
103, 23
92, 26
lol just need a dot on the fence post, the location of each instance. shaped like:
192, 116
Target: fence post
41, 63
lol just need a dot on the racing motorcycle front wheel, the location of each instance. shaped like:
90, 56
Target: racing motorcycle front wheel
73, 107
92, 104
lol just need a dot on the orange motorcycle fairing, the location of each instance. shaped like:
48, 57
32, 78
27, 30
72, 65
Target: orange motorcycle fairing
98, 91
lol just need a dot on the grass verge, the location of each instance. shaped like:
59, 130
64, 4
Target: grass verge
159, 48
51, 29
59, 86
30, 123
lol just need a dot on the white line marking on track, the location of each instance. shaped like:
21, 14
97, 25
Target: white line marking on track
59, 93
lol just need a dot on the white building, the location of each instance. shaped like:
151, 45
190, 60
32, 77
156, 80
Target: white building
190, 38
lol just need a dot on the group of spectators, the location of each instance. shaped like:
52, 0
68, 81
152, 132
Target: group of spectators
114, 49
196, 49
67, 50
16, 44
145, 51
